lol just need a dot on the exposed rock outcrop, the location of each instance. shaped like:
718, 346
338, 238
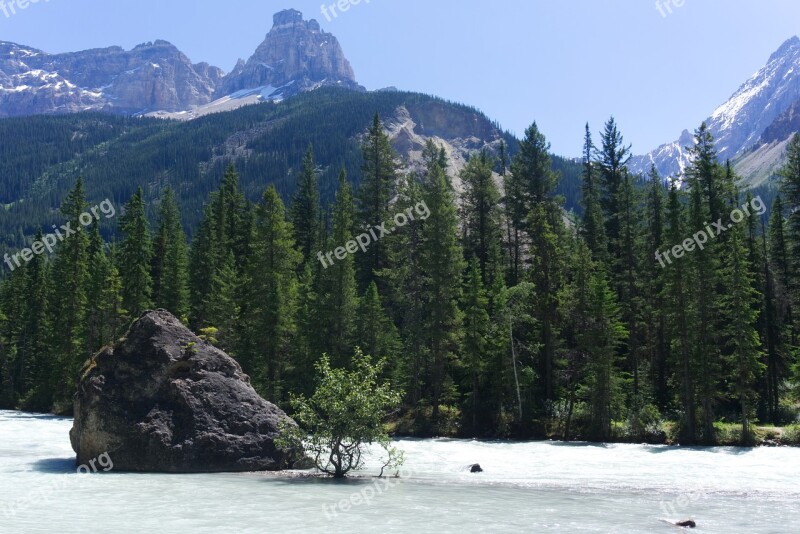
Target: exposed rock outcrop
163, 400
152, 76
296, 56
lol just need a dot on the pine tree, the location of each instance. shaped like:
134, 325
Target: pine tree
778, 308
602, 338
68, 312
203, 267
593, 228
404, 300
704, 265
136, 253
305, 210
543, 227
481, 216
378, 186
170, 260
338, 295
611, 159
680, 317
705, 172
441, 262
35, 363
272, 301
741, 338
377, 334
222, 304
654, 281
476, 344
790, 174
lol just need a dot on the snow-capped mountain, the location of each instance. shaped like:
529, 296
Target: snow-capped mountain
151, 76
739, 124
157, 78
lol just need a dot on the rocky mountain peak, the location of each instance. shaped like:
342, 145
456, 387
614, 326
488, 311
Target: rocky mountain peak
791, 46
295, 56
287, 17
738, 124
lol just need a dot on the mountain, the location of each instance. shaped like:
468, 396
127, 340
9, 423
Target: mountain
295, 56
43, 155
157, 78
740, 124
151, 76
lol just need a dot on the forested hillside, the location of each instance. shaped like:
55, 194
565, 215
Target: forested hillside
660, 314
41, 156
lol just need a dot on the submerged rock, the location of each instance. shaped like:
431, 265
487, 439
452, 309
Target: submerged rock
164, 400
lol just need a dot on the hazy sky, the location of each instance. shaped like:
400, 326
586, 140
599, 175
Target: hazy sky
559, 62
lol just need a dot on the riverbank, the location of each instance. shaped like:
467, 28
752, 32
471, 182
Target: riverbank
417, 425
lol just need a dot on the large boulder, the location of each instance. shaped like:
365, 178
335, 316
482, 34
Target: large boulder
164, 400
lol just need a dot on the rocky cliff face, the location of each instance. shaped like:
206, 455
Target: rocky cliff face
296, 56
739, 123
151, 76
163, 400
157, 78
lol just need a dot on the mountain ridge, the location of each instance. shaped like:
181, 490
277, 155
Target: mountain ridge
740, 122
155, 77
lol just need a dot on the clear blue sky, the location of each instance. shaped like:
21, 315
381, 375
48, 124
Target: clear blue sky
558, 62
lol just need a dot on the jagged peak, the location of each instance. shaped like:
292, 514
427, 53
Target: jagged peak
291, 18
158, 43
287, 16
791, 45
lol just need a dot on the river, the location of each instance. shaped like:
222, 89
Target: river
525, 487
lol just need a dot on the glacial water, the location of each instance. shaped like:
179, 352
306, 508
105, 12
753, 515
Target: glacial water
525, 487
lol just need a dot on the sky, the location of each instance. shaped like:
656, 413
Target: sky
561, 63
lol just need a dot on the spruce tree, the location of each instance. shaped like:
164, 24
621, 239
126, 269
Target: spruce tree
680, 318
481, 217
593, 227
36, 365
441, 262
338, 295
68, 312
741, 337
135, 257
601, 340
790, 173
657, 343
378, 187
270, 325
377, 334
305, 210
611, 160
476, 345
532, 168
170, 260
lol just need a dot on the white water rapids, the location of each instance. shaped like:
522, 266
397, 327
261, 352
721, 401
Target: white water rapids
525, 487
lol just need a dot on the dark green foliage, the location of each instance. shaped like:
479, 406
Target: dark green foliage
496, 315
135, 256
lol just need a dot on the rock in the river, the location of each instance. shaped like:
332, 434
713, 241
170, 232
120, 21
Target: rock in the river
164, 400
475, 468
